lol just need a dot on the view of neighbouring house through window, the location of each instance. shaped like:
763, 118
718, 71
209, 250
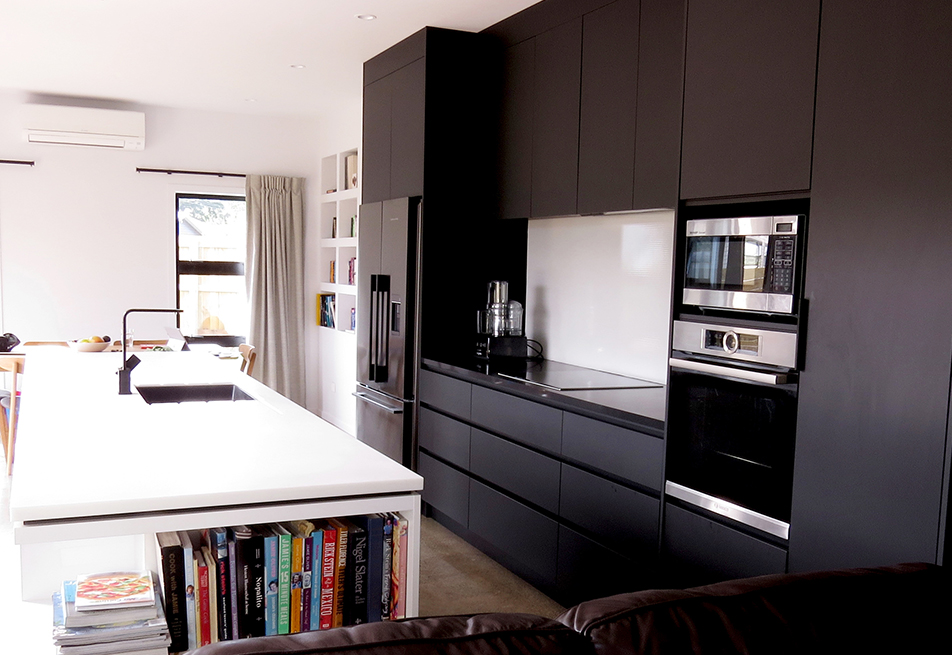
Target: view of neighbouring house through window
211, 234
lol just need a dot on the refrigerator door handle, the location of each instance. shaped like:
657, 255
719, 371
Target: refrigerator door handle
372, 373
369, 399
381, 330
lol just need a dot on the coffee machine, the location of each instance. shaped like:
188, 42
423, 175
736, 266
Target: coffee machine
499, 326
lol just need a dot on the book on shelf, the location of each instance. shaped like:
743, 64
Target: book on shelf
328, 600
200, 575
188, 562
399, 569
249, 552
212, 567
171, 565
386, 567
217, 539
350, 172
112, 590
109, 637
284, 578
312, 578
340, 575
271, 579
295, 606
76, 619
233, 578
333, 272
373, 524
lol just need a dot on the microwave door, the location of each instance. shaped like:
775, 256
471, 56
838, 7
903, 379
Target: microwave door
368, 272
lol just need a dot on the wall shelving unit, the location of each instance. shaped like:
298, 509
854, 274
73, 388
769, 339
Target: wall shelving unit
338, 224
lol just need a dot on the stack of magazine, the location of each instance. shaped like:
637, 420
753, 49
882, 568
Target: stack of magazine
110, 614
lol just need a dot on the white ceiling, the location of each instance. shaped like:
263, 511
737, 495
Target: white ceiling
220, 55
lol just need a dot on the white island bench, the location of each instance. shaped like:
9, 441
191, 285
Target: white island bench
97, 474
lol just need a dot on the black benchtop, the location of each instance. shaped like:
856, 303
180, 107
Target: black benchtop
641, 408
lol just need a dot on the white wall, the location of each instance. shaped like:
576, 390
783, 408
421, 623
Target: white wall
83, 237
599, 291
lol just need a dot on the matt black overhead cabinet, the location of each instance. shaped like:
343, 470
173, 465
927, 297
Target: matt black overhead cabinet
750, 73
429, 125
591, 107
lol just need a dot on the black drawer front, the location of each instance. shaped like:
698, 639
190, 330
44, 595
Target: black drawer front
617, 516
445, 393
445, 437
526, 539
628, 454
700, 551
522, 420
445, 488
588, 570
524, 472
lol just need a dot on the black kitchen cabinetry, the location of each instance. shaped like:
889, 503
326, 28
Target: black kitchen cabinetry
749, 80
430, 116
871, 476
568, 502
592, 107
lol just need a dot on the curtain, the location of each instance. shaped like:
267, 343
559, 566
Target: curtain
274, 275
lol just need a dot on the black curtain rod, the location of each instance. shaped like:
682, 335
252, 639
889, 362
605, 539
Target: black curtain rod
168, 171
17, 161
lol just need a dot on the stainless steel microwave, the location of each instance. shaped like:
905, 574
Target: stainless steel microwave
746, 264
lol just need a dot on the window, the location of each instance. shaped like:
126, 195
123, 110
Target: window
210, 234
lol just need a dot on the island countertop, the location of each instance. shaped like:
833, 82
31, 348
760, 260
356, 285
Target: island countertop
84, 450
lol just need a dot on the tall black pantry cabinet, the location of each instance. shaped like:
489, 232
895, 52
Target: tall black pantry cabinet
430, 110
871, 474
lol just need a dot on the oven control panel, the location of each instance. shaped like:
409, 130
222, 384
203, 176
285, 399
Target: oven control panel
770, 347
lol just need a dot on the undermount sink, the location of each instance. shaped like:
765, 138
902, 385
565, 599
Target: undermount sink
183, 393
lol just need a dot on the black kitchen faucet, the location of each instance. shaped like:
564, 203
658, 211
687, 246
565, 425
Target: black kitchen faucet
125, 373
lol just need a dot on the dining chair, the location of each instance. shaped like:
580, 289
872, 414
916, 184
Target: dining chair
8, 426
248, 356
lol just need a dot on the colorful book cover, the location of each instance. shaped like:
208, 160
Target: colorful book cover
297, 574
271, 577
88, 618
200, 574
328, 577
212, 594
251, 554
399, 568
340, 578
317, 552
100, 591
385, 573
188, 561
93, 635
284, 579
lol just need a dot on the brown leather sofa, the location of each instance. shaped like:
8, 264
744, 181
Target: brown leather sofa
897, 609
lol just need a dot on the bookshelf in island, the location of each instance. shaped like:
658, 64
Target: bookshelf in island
98, 471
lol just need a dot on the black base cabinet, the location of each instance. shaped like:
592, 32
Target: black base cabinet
698, 550
567, 502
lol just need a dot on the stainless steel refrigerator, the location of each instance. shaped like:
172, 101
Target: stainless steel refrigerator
387, 292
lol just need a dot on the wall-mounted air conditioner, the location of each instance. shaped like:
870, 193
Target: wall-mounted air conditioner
85, 126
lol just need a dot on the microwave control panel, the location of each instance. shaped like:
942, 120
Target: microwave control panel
782, 251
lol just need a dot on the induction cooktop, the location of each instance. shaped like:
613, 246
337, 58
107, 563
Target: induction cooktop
566, 377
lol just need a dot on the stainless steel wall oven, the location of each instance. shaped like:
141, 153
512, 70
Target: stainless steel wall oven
732, 412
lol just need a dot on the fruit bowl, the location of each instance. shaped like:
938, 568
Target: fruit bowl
89, 346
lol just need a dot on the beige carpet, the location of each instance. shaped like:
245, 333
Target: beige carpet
456, 578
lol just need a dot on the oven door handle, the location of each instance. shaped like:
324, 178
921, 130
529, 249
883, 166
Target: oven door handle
728, 372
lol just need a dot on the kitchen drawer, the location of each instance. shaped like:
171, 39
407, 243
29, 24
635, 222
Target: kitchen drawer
628, 454
698, 550
588, 570
620, 517
526, 540
446, 394
445, 488
524, 472
445, 437
524, 421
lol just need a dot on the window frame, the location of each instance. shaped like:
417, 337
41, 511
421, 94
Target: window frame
190, 267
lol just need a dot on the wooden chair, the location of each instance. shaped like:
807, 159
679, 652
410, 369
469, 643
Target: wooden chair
248, 356
8, 428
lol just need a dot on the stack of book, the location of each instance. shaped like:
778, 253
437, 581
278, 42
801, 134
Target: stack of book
282, 578
110, 614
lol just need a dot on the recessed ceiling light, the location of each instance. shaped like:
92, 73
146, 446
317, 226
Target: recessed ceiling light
366, 16
251, 100
298, 66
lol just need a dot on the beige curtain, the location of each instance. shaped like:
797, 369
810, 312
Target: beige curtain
275, 278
